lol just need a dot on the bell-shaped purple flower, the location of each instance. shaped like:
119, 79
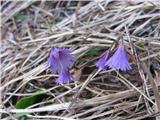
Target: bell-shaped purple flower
102, 60
60, 59
64, 77
119, 60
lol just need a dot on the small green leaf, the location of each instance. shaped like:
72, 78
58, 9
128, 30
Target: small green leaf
141, 45
22, 117
26, 102
21, 16
94, 51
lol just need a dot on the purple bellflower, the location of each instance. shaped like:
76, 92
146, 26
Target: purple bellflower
60, 59
64, 77
102, 60
119, 60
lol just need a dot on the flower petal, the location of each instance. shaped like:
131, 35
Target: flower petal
60, 59
102, 60
67, 59
119, 60
64, 77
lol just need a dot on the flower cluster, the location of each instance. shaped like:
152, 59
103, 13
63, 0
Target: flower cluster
61, 60
118, 61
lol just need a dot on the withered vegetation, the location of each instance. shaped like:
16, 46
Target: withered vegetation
29, 29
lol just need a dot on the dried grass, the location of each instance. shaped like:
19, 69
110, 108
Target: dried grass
29, 29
